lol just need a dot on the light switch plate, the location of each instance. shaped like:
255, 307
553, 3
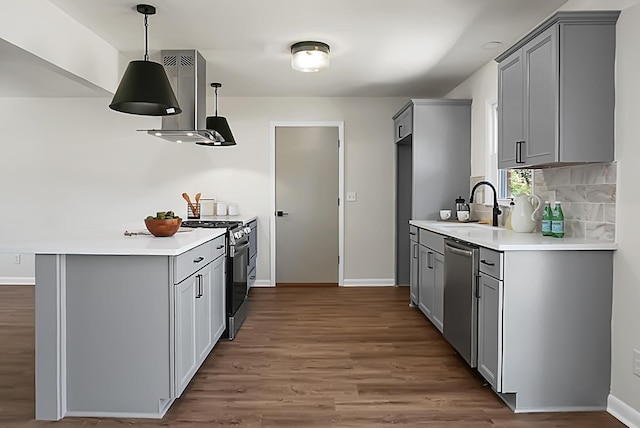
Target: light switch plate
352, 196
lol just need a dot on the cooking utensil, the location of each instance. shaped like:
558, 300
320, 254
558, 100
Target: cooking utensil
198, 203
194, 210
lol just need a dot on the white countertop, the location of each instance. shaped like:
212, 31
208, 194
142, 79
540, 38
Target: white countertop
114, 242
501, 239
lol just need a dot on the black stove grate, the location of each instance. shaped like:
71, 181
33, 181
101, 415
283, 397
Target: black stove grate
210, 224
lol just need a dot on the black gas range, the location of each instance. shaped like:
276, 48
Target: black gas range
237, 290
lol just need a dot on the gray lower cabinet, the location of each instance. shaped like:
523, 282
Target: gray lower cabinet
414, 286
544, 328
199, 315
253, 253
185, 293
556, 92
431, 279
489, 330
199, 319
137, 327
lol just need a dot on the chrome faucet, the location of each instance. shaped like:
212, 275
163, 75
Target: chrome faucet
496, 209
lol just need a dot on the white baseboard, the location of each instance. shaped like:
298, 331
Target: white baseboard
623, 412
378, 282
262, 283
17, 280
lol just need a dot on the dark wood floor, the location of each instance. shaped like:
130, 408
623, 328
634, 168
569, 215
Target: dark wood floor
305, 357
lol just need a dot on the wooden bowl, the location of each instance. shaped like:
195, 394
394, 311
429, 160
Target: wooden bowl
163, 227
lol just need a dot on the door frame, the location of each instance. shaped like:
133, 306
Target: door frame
272, 191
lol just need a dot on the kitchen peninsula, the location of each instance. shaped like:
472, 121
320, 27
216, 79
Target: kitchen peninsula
543, 335
124, 322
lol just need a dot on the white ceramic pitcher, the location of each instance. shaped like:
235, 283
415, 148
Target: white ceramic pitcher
523, 216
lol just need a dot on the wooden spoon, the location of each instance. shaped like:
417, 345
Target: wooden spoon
193, 208
198, 203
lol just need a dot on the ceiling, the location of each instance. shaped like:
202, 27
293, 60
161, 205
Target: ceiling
407, 48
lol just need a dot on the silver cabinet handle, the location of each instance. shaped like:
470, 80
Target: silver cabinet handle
484, 262
281, 213
415, 251
429, 260
252, 277
219, 247
198, 260
198, 286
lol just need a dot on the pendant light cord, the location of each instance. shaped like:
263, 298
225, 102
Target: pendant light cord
146, 37
216, 93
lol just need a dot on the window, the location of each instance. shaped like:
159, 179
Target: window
508, 182
514, 182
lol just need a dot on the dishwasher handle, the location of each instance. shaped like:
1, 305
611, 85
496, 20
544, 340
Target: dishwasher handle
459, 251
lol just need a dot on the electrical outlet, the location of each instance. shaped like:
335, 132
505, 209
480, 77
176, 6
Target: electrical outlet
17, 259
636, 362
352, 196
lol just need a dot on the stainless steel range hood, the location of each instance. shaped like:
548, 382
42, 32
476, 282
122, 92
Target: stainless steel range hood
186, 70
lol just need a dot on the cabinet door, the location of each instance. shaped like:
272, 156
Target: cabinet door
185, 300
490, 330
541, 99
510, 109
438, 291
403, 124
203, 314
426, 280
218, 296
413, 277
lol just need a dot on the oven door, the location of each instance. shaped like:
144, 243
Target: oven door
237, 286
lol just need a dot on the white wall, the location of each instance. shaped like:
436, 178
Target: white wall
73, 164
626, 296
44, 30
482, 86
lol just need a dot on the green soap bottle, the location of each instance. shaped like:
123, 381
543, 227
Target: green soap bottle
557, 221
546, 219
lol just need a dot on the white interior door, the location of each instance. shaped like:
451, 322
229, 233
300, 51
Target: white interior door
307, 210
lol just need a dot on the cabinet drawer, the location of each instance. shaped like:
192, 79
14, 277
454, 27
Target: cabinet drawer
219, 246
432, 240
491, 262
187, 263
413, 233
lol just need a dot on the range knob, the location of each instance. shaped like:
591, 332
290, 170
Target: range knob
247, 230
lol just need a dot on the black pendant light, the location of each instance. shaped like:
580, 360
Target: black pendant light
219, 124
145, 88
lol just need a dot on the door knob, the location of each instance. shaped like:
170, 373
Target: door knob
281, 213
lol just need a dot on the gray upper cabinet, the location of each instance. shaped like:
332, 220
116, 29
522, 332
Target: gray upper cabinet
556, 93
403, 124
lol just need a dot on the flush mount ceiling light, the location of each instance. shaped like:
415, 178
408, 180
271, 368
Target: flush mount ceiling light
145, 88
309, 56
219, 126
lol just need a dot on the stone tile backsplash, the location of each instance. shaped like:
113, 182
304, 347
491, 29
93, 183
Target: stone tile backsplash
587, 194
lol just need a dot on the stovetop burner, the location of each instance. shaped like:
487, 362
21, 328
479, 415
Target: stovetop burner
210, 224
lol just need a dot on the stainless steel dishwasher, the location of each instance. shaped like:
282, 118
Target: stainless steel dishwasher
460, 303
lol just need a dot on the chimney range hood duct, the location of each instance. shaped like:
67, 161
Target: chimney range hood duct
186, 70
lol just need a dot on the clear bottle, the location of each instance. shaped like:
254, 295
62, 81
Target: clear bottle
546, 219
507, 222
557, 221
